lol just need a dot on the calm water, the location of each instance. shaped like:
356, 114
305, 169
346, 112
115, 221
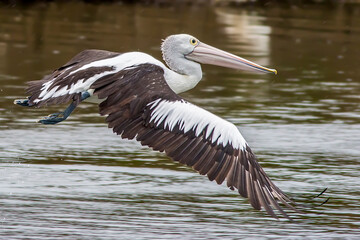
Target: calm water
77, 180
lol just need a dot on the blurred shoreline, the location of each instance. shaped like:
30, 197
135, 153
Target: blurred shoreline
233, 3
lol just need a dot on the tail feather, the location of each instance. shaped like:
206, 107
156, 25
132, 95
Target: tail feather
33, 100
34, 90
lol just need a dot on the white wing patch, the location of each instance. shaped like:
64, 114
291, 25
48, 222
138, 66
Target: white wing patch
119, 63
189, 117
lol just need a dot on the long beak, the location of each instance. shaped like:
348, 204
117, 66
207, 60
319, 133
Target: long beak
206, 54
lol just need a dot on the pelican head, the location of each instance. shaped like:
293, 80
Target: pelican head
181, 49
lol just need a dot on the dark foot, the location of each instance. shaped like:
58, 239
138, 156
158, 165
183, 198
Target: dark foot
22, 102
53, 118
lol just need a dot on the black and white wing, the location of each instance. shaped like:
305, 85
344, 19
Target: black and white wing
139, 104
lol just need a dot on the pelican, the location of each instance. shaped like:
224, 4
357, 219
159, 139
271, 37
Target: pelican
138, 95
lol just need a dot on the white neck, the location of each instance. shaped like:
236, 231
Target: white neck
183, 74
181, 83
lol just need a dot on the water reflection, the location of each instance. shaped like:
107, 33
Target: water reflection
78, 179
246, 33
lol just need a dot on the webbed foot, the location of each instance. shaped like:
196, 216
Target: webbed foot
22, 102
53, 118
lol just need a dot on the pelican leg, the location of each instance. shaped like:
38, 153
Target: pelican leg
61, 116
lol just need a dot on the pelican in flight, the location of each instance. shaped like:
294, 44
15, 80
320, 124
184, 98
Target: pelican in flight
138, 95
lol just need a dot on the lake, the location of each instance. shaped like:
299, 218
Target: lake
78, 180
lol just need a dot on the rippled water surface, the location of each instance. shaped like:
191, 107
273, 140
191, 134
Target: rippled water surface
77, 180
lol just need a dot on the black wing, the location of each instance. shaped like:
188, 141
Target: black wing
139, 104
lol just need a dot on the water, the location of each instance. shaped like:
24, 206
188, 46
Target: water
78, 180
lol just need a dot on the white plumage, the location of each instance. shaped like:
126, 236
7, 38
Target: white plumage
191, 117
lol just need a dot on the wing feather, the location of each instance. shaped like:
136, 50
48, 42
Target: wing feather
233, 172
223, 171
220, 160
208, 161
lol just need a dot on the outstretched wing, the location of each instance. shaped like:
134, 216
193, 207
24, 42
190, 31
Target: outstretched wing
139, 104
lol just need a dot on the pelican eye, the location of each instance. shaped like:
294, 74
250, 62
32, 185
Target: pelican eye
193, 41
